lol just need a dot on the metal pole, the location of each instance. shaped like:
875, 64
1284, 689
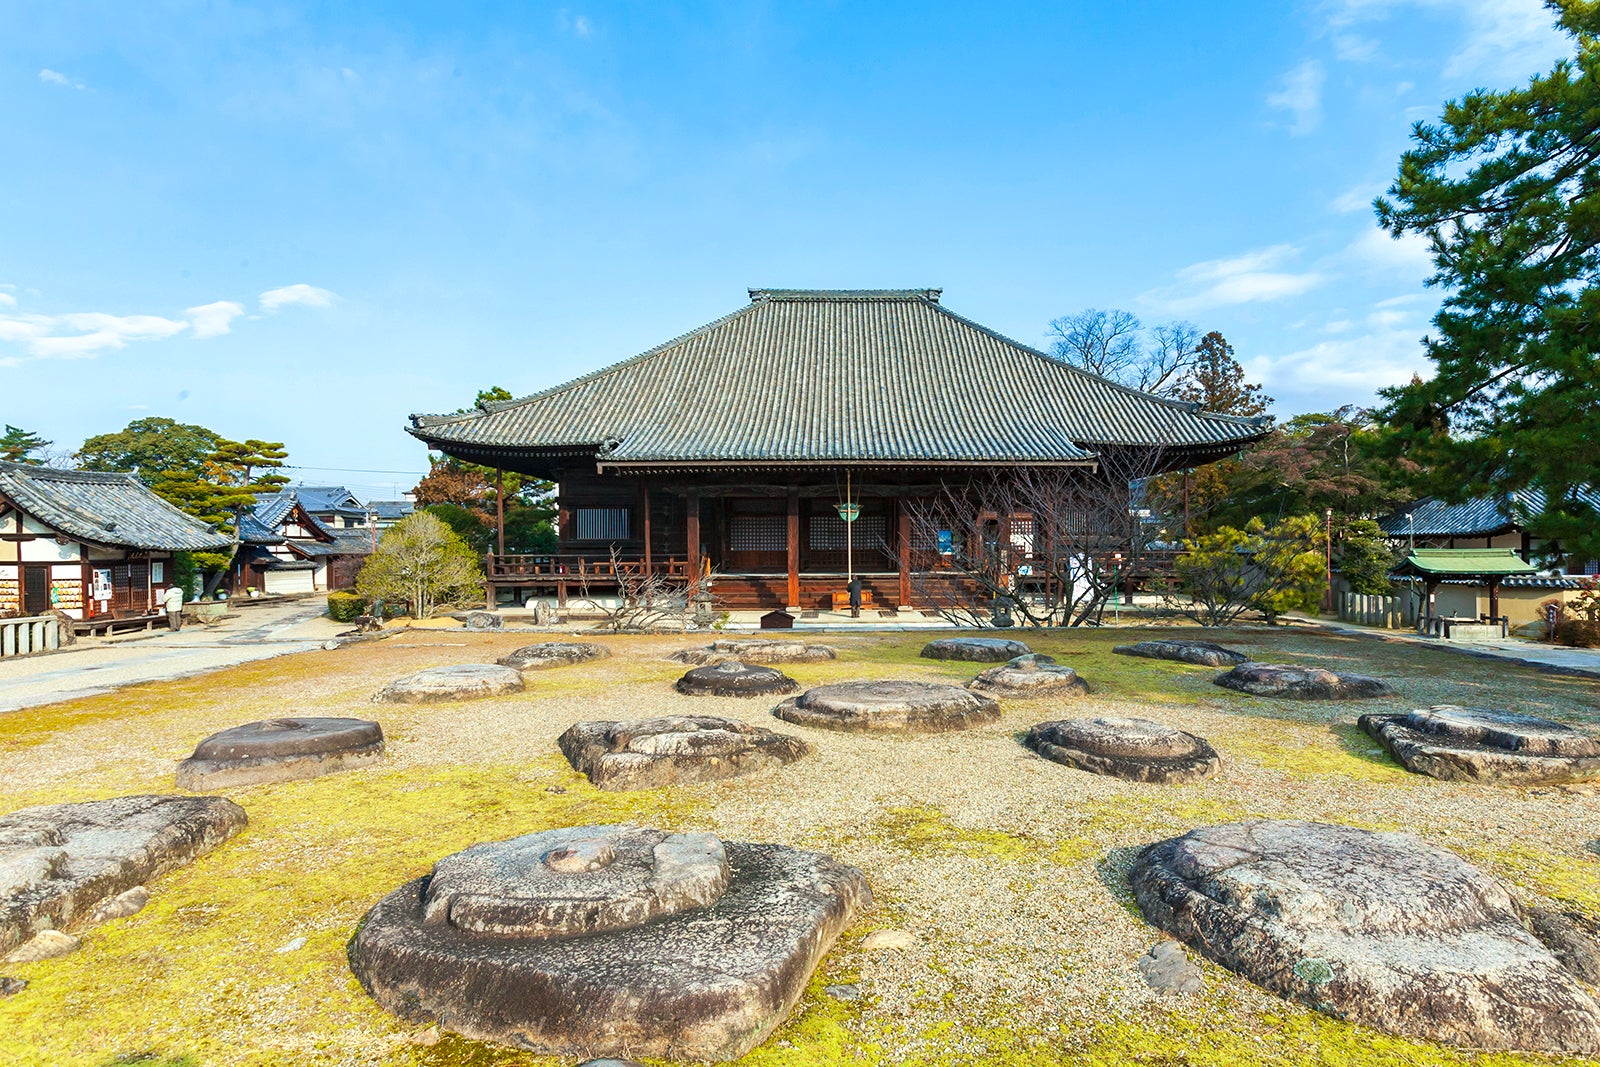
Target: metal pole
1327, 548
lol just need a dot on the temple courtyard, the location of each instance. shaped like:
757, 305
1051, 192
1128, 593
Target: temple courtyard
1002, 929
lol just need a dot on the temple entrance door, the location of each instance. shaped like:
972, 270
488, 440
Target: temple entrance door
35, 588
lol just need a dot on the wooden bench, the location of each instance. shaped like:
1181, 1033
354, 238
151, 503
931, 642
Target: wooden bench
841, 601
110, 624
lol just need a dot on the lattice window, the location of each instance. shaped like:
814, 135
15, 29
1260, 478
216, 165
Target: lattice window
827, 532
600, 524
758, 533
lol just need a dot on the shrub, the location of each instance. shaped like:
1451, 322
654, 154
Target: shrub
1578, 633
344, 605
1365, 558
422, 561
1269, 570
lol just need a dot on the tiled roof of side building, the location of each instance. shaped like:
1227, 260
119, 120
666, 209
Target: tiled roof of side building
106, 509
864, 376
1479, 517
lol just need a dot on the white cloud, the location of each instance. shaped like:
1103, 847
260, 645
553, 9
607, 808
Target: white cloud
1376, 252
1503, 41
214, 319
299, 294
1357, 198
1301, 96
1382, 349
55, 77
86, 334
1250, 278
577, 25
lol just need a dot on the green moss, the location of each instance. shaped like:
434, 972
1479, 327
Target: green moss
1353, 755
920, 828
315, 857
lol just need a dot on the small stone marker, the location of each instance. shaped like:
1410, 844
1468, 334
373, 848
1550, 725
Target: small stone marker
1137, 750
888, 941
1300, 683
975, 649
483, 620
280, 750
1484, 745
674, 750
1377, 928
45, 945
756, 651
1167, 969
60, 862
889, 706
122, 905
461, 681
609, 940
553, 654
1032, 675
731, 678
1204, 653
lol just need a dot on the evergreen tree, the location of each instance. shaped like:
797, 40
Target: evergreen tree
1506, 187
1216, 381
19, 445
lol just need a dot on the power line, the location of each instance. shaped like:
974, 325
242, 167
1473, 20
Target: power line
349, 470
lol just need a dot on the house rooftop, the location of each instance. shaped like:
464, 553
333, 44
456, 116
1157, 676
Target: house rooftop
115, 510
836, 377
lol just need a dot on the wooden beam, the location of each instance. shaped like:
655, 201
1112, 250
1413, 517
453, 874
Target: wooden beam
644, 507
692, 532
793, 597
903, 516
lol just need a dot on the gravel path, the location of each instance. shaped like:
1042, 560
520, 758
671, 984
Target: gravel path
1006, 868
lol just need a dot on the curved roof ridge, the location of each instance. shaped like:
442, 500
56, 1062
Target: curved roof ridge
1193, 407
583, 379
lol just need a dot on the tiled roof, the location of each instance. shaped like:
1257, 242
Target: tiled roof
391, 509
1464, 561
870, 376
252, 531
105, 509
1479, 517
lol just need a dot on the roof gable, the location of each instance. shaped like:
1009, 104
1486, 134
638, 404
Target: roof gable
105, 509
852, 376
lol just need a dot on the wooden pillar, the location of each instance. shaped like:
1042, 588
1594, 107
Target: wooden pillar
692, 526
1494, 599
793, 595
903, 543
499, 514
644, 507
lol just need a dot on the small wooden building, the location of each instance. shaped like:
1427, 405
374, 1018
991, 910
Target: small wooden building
89, 544
733, 445
286, 548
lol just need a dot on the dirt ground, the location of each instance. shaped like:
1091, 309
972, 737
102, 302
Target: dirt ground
1009, 870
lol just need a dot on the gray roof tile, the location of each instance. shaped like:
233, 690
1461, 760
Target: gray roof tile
1480, 516
105, 509
805, 376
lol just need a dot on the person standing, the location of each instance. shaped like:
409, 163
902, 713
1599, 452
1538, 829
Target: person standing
173, 602
854, 589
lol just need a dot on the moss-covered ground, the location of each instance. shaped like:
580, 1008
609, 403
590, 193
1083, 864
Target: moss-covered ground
1010, 871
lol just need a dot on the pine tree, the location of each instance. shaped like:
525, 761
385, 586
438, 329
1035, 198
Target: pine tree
1506, 187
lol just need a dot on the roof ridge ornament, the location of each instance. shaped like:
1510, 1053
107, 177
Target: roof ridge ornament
819, 295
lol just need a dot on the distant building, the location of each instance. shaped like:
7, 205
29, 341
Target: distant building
300, 540
89, 544
733, 447
333, 506
385, 513
1493, 522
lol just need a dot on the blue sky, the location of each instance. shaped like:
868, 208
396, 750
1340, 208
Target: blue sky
305, 221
